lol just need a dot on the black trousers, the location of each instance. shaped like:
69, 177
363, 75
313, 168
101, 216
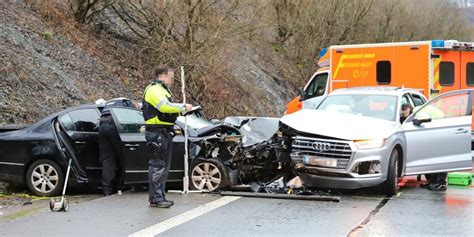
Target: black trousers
437, 178
111, 156
160, 146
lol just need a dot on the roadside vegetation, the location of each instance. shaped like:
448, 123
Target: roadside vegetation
241, 57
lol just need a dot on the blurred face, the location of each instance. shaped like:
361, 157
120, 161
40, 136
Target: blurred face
168, 79
405, 113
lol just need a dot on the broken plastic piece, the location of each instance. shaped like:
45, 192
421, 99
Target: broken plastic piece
295, 183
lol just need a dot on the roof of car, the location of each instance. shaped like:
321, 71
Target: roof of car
376, 90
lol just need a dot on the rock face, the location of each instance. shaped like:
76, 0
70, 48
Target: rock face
39, 74
43, 70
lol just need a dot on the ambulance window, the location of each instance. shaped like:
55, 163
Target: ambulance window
384, 72
317, 86
446, 73
470, 74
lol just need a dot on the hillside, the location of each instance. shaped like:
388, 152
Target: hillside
44, 71
241, 57
51, 62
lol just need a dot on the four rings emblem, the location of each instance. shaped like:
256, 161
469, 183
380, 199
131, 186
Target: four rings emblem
321, 146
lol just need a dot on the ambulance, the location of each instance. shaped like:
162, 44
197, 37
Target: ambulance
431, 67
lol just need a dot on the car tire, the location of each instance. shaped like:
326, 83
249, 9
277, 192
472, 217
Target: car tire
390, 186
208, 175
45, 178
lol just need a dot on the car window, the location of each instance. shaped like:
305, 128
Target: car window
317, 87
406, 100
418, 100
85, 120
128, 120
448, 106
66, 122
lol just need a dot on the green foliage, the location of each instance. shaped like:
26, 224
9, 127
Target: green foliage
47, 35
278, 47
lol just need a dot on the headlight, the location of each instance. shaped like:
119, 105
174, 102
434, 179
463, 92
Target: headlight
370, 144
232, 138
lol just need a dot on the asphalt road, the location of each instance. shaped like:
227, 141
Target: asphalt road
414, 212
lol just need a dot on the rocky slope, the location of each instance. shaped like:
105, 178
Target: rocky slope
48, 63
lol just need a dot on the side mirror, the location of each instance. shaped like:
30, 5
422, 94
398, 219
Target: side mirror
302, 94
418, 122
215, 121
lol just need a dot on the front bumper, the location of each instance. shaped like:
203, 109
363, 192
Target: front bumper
345, 178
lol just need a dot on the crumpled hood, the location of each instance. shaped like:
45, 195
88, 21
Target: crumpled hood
340, 125
254, 129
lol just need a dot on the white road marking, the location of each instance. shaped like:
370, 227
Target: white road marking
185, 217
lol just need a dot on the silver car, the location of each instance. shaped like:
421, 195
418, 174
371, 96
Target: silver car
355, 138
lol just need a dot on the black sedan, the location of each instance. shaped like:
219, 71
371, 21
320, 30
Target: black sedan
37, 155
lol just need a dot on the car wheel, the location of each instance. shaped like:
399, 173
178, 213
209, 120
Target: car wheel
390, 186
45, 178
208, 175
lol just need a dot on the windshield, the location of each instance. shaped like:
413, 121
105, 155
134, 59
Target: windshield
195, 122
375, 106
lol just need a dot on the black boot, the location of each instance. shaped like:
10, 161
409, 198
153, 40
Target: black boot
161, 204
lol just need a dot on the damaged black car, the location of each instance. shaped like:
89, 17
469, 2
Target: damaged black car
249, 150
222, 155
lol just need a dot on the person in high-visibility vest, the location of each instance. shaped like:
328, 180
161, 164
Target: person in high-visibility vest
160, 113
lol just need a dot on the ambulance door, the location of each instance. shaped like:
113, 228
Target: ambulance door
447, 72
467, 70
315, 91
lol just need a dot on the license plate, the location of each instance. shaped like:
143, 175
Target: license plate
326, 162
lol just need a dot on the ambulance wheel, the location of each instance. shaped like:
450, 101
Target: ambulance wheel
208, 175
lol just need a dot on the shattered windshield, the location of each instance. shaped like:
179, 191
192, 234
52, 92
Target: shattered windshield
375, 106
195, 122
258, 130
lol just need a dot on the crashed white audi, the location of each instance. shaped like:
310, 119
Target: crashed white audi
355, 139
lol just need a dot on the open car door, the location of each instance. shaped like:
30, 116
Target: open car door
81, 128
438, 135
129, 123
67, 152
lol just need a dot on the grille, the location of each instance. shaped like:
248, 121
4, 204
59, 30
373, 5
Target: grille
337, 149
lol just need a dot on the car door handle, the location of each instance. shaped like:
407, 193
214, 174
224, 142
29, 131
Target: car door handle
132, 145
461, 131
79, 142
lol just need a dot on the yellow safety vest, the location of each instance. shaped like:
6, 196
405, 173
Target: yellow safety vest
158, 106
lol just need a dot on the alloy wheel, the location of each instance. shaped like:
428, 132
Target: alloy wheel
44, 178
206, 176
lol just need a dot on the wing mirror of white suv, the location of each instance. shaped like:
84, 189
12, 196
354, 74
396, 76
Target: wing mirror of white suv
418, 122
302, 94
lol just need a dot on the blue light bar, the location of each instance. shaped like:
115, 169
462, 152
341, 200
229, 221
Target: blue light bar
323, 52
437, 43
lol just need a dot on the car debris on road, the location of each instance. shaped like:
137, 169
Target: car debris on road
293, 189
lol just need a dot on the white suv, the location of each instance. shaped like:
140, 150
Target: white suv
355, 138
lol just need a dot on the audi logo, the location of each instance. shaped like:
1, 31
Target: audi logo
321, 146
